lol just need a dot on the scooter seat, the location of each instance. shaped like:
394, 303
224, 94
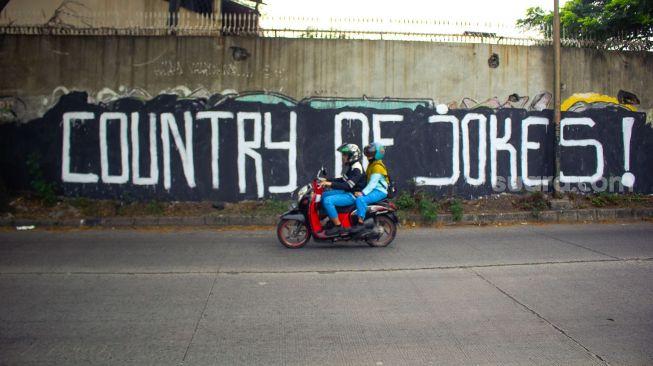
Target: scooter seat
340, 209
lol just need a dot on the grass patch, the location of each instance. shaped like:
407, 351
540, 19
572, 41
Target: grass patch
456, 209
87, 207
154, 208
43, 189
535, 202
418, 202
604, 199
257, 208
428, 207
405, 201
273, 207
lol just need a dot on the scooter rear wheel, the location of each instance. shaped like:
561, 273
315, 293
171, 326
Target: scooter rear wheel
293, 234
389, 231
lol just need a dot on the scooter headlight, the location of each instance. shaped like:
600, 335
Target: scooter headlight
302, 192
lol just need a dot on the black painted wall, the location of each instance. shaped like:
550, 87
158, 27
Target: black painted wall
421, 145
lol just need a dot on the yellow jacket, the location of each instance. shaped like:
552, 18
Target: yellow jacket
377, 167
377, 177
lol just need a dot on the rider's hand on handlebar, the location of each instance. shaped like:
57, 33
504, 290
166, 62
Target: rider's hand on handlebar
325, 183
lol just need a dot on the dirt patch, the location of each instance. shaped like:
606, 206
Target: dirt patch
535, 203
29, 207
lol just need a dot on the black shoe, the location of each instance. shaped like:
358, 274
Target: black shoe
337, 230
357, 228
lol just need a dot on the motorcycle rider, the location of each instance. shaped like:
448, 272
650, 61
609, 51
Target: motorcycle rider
343, 188
377, 181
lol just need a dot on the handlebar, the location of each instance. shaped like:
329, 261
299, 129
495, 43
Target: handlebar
322, 172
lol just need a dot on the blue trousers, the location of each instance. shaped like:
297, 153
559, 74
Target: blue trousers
363, 201
336, 197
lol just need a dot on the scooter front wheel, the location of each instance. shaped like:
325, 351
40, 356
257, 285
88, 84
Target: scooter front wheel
385, 231
293, 234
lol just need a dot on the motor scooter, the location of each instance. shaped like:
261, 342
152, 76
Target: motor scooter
305, 220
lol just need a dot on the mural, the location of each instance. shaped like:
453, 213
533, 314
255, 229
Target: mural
253, 145
10, 108
580, 102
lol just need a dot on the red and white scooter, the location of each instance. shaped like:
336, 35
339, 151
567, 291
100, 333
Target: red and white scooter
305, 219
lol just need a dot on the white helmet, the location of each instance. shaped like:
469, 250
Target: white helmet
352, 151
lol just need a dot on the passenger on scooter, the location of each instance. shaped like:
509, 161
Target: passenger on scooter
343, 188
377, 181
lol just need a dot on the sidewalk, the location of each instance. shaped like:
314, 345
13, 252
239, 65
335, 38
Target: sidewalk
225, 220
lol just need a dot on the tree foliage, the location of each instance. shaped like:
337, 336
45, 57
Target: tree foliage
614, 24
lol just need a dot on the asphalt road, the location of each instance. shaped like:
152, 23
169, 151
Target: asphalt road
518, 295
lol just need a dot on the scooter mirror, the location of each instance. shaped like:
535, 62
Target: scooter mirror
322, 172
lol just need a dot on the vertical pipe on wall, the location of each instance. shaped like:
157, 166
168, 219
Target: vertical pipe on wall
556, 94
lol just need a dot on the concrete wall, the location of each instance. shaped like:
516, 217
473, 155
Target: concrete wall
116, 74
33, 67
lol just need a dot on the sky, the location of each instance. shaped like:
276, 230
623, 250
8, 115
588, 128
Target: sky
437, 16
495, 11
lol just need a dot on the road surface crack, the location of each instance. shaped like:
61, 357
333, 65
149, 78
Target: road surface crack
427, 268
317, 270
541, 317
197, 324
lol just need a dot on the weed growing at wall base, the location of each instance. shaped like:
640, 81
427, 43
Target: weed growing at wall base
428, 207
456, 209
44, 190
154, 208
405, 201
536, 202
610, 199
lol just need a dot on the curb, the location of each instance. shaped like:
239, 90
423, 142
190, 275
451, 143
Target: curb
144, 221
551, 216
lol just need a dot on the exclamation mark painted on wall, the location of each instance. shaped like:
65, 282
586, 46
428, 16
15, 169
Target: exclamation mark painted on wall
627, 179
